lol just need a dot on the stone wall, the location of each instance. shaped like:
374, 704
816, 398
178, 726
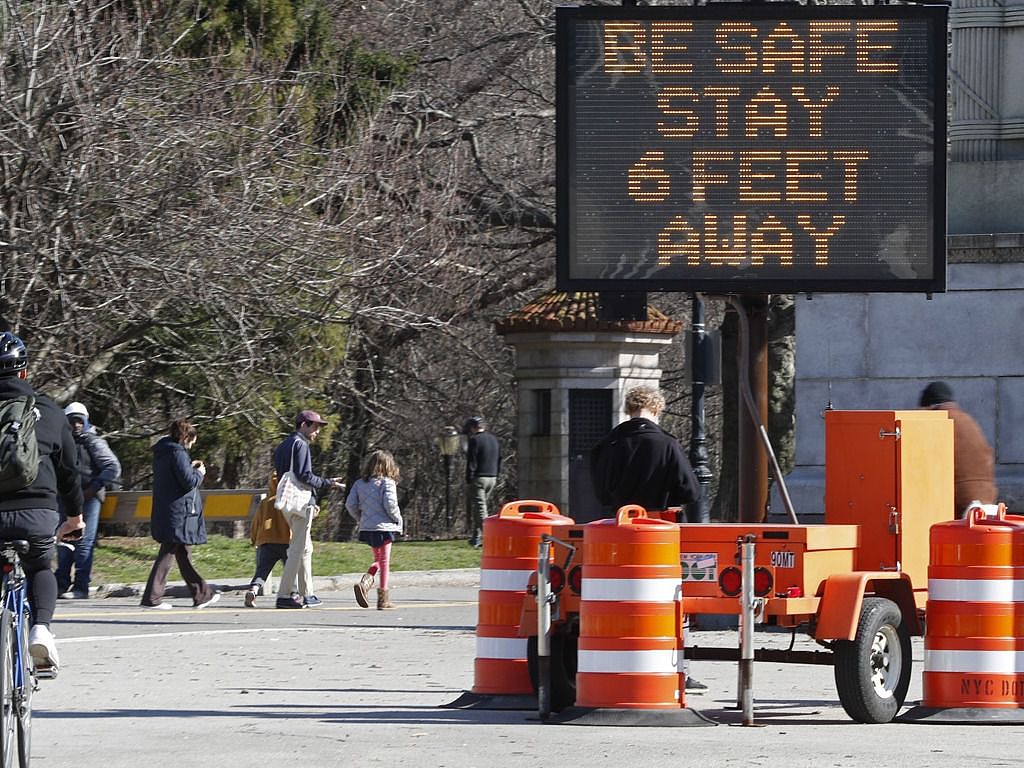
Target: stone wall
877, 351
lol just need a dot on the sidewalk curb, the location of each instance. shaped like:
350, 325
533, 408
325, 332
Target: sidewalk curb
456, 577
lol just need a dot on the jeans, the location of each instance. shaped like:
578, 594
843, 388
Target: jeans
267, 556
298, 567
81, 555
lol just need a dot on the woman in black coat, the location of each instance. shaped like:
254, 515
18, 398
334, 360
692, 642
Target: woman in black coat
177, 517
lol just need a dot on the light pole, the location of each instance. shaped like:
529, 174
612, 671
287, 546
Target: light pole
448, 443
700, 366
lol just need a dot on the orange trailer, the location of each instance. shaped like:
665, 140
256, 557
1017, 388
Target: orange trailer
857, 584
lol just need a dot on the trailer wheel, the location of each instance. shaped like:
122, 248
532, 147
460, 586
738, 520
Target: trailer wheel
563, 667
873, 670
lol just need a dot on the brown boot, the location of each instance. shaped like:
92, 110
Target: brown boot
362, 589
384, 599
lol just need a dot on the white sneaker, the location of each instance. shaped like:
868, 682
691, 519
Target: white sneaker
157, 607
43, 647
213, 599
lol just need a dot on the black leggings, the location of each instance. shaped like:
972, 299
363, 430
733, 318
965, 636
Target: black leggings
37, 527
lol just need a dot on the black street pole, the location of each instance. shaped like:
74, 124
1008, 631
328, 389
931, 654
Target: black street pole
448, 493
698, 511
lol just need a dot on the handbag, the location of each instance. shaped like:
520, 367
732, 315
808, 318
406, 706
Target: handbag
292, 495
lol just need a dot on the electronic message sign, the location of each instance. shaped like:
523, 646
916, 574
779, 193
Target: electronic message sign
751, 148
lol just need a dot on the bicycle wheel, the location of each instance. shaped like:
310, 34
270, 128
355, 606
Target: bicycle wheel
23, 696
7, 706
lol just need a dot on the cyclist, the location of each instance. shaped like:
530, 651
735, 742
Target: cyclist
31, 513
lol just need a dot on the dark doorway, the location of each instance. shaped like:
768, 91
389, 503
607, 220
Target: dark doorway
590, 419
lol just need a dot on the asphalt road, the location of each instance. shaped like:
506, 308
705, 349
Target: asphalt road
344, 686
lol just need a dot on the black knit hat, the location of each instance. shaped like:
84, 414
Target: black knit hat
473, 424
935, 393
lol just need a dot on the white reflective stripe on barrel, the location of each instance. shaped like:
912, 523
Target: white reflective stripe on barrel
498, 580
977, 590
651, 662
646, 590
979, 662
501, 647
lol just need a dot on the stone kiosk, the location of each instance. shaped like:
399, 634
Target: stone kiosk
572, 371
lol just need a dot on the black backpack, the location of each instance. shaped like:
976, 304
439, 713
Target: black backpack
19, 450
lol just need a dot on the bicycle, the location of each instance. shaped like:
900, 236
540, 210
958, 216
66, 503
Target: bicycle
18, 676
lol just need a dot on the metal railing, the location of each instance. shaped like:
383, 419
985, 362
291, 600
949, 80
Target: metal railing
218, 505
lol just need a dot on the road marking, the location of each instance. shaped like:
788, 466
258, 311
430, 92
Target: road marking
252, 630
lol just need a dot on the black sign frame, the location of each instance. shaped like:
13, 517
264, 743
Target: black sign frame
572, 273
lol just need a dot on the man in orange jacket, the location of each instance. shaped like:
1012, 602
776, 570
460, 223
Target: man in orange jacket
973, 461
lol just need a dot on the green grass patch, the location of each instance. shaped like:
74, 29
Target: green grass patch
127, 560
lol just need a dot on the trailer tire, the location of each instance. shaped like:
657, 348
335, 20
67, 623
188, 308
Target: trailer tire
563, 667
872, 671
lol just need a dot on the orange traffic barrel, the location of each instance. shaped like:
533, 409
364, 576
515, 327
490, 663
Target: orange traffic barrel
974, 628
630, 647
510, 547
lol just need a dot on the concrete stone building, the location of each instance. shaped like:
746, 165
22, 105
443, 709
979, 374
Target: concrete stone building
877, 351
572, 371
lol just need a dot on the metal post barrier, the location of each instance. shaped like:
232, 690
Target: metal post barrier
544, 627
745, 696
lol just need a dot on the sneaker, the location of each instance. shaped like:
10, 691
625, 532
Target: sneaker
250, 598
43, 647
312, 601
69, 595
289, 602
692, 684
158, 606
212, 599
79, 594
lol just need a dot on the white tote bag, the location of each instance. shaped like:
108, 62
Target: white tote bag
292, 495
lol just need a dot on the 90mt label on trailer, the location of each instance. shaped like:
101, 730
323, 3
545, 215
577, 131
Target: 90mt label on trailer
783, 559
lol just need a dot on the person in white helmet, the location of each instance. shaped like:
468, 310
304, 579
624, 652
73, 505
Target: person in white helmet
98, 469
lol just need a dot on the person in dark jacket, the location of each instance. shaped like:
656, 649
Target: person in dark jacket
296, 588
31, 512
98, 468
177, 518
973, 460
639, 463
483, 465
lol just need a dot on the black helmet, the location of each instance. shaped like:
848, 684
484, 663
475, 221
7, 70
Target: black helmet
13, 355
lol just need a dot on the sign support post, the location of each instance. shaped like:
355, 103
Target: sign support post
753, 459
